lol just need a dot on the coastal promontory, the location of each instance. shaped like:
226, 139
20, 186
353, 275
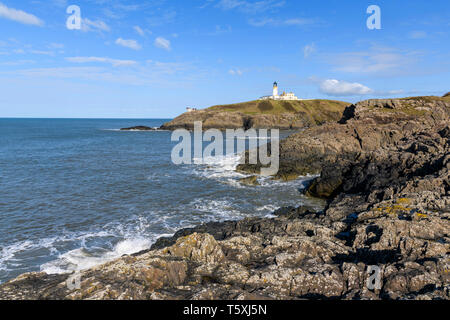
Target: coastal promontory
270, 114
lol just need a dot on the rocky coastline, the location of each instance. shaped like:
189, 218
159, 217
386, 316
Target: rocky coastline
384, 170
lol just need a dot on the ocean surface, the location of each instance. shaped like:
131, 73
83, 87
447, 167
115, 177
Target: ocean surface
75, 193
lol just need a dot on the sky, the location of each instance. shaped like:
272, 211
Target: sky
152, 59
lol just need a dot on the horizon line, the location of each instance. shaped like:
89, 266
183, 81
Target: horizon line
85, 118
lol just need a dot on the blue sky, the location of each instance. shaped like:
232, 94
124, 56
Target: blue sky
152, 59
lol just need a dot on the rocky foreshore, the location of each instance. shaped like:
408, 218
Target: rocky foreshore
384, 169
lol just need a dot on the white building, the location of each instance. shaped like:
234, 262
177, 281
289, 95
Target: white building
188, 109
284, 96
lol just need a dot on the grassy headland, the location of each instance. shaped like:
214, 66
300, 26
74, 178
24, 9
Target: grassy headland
263, 114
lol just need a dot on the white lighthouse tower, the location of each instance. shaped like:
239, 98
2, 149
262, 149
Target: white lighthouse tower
287, 96
275, 89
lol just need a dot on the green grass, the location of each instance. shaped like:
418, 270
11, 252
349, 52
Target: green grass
317, 110
445, 98
410, 109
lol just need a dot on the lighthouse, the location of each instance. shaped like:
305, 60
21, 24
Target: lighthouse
287, 96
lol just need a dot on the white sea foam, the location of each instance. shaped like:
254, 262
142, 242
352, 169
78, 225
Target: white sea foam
223, 169
219, 167
301, 181
81, 259
268, 207
131, 237
134, 238
9, 253
216, 210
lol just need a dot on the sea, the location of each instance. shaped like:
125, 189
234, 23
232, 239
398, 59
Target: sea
75, 193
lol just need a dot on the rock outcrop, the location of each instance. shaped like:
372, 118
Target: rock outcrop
364, 129
298, 255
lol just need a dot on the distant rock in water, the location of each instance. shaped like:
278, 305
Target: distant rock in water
138, 128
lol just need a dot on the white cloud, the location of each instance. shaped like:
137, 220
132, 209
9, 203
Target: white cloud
155, 73
113, 62
218, 30
60, 3
417, 35
375, 60
162, 18
309, 49
162, 43
334, 87
41, 52
277, 22
235, 72
168, 68
298, 21
90, 25
261, 22
132, 44
251, 7
55, 45
17, 63
19, 16
139, 30
127, 7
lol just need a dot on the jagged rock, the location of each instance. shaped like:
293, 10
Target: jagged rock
196, 247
